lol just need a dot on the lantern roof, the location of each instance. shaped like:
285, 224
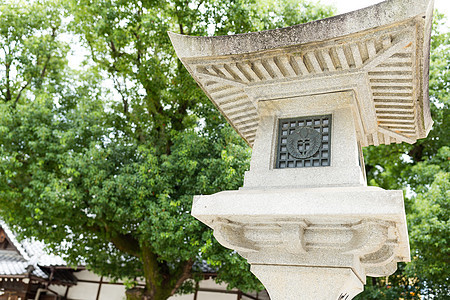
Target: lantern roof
378, 54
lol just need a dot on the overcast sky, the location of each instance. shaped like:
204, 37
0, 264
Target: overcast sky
344, 6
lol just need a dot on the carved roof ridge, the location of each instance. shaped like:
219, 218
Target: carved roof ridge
382, 14
379, 54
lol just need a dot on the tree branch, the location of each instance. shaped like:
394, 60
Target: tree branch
124, 242
8, 82
20, 93
45, 66
183, 275
138, 45
118, 87
49, 55
116, 53
181, 28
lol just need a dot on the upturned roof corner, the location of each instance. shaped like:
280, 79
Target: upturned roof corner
380, 54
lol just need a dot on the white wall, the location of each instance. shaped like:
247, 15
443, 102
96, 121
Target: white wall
88, 291
202, 295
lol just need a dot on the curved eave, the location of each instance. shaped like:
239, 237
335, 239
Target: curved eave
381, 14
387, 43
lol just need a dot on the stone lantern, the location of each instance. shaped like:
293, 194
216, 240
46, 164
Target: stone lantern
307, 98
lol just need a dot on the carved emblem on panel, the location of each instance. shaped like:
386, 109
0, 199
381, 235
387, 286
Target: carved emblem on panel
304, 142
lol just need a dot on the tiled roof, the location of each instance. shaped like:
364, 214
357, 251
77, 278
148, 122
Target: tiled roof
10, 256
204, 267
13, 239
36, 251
31, 255
12, 263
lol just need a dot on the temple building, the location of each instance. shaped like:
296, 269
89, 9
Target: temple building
27, 271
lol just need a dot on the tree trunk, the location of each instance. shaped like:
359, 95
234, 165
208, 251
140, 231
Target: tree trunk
142, 294
155, 289
160, 282
135, 294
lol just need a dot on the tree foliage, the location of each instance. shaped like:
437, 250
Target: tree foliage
30, 54
102, 164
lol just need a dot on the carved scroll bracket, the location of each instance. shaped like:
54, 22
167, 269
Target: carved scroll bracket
365, 246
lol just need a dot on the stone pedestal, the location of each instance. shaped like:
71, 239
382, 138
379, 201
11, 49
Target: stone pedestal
307, 99
351, 231
294, 282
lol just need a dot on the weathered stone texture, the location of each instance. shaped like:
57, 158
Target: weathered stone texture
380, 53
317, 231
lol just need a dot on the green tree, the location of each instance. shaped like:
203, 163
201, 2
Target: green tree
422, 170
30, 54
106, 175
